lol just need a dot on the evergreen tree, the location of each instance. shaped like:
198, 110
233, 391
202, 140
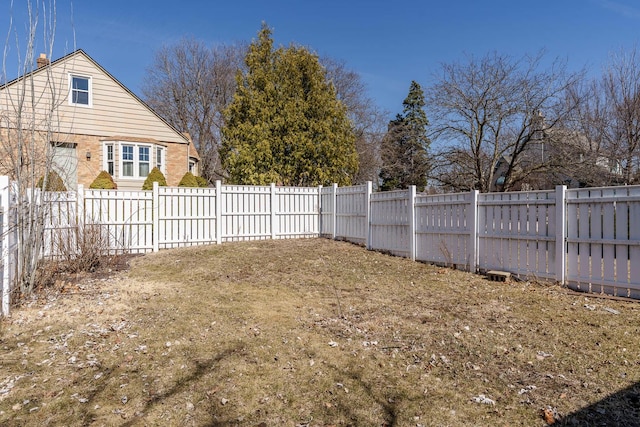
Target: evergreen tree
104, 181
285, 123
405, 146
155, 175
54, 182
188, 180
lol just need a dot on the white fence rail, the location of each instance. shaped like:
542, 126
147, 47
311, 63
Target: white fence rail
588, 239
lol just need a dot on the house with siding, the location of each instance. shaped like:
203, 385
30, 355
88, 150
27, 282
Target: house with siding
87, 121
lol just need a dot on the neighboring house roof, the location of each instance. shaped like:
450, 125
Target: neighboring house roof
129, 139
117, 108
193, 151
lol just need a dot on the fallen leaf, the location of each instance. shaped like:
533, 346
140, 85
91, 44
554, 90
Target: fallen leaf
549, 415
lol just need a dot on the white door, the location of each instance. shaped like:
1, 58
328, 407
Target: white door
65, 163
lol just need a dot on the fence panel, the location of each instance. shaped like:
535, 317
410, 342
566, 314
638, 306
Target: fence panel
351, 214
390, 222
186, 216
246, 213
443, 229
126, 218
603, 240
327, 211
516, 233
296, 212
60, 222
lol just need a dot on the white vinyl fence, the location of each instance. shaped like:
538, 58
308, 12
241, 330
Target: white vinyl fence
588, 239
8, 244
603, 240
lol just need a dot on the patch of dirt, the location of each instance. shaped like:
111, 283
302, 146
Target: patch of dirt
84, 281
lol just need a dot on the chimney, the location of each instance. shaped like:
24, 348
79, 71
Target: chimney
42, 60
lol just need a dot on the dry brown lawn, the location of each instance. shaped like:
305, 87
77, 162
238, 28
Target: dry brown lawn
315, 333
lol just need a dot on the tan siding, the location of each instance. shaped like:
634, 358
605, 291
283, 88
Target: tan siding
115, 115
114, 112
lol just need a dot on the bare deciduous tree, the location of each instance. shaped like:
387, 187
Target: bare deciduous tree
621, 88
368, 120
582, 149
189, 84
486, 119
28, 129
607, 122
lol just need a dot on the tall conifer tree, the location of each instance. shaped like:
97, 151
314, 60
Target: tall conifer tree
286, 124
406, 144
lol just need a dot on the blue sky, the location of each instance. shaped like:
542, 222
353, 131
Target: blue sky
387, 43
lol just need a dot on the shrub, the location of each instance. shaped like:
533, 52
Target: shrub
104, 181
154, 176
78, 248
54, 182
188, 180
202, 182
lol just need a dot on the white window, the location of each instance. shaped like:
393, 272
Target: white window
143, 161
80, 90
127, 168
160, 158
132, 160
109, 159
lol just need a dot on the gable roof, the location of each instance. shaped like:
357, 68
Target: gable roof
80, 54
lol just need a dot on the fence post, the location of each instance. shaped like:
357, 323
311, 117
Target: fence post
274, 219
218, 208
561, 231
320, 221
334, 202
5, 199
412, 222
367, 199
155, 201
472, 217
80, 220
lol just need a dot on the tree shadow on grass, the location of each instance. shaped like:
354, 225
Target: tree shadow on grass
201, 369
621, 409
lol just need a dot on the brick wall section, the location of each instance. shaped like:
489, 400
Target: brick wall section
176, 160
88, 170
177, 163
